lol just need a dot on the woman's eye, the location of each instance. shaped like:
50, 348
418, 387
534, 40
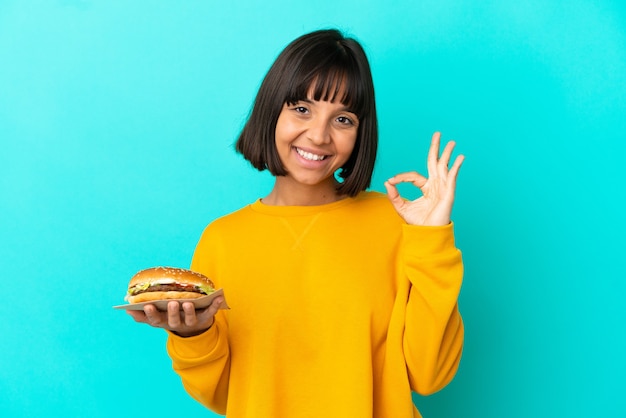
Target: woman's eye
300, 109
345, 120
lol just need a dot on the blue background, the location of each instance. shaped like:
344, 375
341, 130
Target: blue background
117, 120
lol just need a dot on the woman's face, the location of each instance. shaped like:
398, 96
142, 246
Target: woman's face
314, 139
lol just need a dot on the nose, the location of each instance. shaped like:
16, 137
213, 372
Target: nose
318, 132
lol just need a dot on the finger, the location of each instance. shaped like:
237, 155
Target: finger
206, 316
217, 304
212, 309
454, 170
394, 195
433, 154
173, 314
444, 161
190, 314
452, 176
138, 316
410, 177
153, 315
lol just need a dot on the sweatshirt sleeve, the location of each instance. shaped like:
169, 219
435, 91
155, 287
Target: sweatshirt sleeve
433, 335
203, 361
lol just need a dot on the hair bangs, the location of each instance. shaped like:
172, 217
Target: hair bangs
330, 80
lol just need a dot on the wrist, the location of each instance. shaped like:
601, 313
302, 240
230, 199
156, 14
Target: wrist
190, 333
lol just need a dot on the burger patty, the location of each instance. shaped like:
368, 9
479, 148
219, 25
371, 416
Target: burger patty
169, 288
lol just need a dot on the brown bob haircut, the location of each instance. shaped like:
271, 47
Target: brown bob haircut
324, 63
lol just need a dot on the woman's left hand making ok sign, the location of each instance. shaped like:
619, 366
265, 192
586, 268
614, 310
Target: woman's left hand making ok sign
434, 207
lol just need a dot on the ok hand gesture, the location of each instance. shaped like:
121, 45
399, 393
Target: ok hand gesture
434, 207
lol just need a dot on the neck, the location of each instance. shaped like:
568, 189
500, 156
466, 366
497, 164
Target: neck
285, 194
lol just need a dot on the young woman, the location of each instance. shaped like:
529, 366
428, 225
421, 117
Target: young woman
343, 301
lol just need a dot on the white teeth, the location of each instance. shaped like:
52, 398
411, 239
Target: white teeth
310, 156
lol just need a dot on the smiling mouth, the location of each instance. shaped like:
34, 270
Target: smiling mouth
310, 156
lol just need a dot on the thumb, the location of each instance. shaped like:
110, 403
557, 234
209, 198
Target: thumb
394, 196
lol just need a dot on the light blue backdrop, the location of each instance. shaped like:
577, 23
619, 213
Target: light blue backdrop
117, 120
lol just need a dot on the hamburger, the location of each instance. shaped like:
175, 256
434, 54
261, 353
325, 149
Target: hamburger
159, 283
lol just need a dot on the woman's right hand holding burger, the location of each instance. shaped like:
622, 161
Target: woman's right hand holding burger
187, 322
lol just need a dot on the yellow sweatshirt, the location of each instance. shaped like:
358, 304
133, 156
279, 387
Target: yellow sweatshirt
339, 310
